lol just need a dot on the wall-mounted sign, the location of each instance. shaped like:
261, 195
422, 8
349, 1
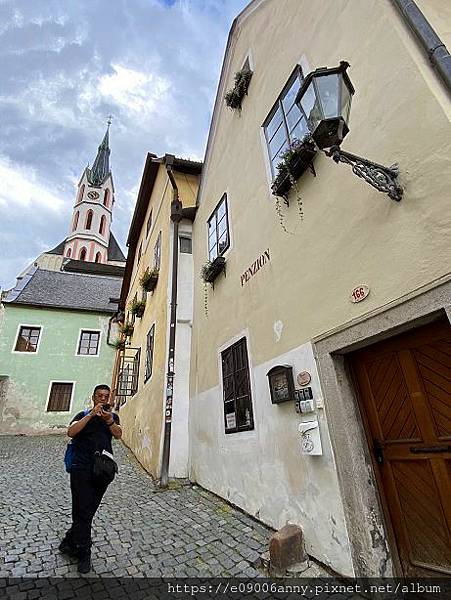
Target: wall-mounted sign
255, 267
303, 378
359, 293
230, 420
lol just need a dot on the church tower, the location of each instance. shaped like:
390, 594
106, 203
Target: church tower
89, 232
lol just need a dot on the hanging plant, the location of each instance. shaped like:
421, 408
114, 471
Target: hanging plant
137, 307
148, 279
119, 344
211, 269
235, 95
294, 161
127, 329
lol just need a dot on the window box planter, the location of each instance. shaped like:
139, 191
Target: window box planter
137, 307
127, 329
235, 95
295, 161
148, 280
212, 269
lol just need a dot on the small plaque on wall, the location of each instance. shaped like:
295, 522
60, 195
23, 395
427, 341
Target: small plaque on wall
359, 293
303, 378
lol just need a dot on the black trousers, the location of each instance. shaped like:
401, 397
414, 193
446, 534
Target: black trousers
87, 493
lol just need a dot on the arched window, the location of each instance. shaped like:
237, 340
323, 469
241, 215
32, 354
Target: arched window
80, 193
98, 257
74, 226
68, 253
82, 255
102, 225
106, 199
88, 219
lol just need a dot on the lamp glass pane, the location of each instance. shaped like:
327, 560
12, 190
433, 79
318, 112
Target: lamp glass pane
311, 107
328, 91
345, 100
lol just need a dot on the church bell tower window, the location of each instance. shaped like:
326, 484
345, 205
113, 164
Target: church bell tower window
88, 220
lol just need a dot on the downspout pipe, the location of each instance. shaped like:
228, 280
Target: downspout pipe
432, 44
176, 216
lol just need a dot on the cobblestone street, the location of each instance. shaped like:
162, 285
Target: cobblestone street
138, 530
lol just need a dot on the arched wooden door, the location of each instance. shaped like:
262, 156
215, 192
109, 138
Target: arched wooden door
404, 390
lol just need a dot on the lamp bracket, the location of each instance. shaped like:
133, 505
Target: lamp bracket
382, 178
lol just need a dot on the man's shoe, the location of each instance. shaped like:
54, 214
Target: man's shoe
66, 548
84, 564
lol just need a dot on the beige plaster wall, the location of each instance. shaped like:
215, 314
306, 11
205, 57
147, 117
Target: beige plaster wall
350, 233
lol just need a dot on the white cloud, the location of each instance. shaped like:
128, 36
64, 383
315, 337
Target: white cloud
137, 91
23, 189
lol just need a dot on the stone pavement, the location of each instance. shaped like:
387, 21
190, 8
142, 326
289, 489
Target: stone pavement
139, 530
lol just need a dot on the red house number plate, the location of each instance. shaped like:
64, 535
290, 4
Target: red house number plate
359, 293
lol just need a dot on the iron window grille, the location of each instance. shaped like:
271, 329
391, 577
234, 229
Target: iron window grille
89, 343
128, 373
186, 245
149, 353
218, 230
60, 396
285, 122
238, 414
28, 339
149, 224
157, 252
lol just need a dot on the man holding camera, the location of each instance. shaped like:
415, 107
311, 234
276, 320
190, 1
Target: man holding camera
92, 434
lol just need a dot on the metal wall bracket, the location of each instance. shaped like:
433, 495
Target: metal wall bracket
384, 179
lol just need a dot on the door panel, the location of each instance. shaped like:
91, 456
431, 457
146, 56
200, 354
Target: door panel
404, 390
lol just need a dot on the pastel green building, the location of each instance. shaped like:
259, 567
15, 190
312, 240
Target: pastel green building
56, 344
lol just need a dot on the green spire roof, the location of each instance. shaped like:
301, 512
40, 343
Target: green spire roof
101, 167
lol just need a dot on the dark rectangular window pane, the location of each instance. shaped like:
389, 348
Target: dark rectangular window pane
60, 395
149, 353
186, 246
238, 414
27, 340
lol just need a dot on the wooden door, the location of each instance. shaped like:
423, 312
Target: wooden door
404, 390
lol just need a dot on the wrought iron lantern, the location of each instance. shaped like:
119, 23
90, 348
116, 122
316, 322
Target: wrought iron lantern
325, 100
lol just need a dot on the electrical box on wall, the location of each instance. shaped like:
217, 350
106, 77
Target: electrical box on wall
304, 400
310, 438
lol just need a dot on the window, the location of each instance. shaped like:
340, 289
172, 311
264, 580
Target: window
74, 226
27, 340
285, 122
88, 222
140, 251
149, 224
149, 353
236, 387
157, 252
82, 255
218, 230
88, 344
102, 225
98, 258
106, 199
68, 253
80, 193
186, 245
60, 397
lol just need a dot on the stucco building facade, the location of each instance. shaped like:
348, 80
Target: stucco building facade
286, 295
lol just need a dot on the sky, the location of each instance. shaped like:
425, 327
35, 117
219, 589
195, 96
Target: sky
64, 67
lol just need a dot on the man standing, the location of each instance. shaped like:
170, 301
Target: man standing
91, 432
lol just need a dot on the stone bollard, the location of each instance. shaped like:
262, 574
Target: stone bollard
287, 551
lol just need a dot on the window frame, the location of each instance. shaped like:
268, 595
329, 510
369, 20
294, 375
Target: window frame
89, 219
149, 353
297, 73
59, 381
77, 348
16, 339
157, 252
231, 348
185, 236
149, 222
214, 215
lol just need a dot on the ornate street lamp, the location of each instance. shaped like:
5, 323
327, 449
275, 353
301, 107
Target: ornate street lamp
325, 99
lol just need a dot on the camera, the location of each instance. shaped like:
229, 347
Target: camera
106, 407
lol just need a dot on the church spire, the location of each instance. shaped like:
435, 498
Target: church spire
101, 167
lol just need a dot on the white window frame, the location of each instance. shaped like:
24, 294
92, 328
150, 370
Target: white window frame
229, 228
16, 339
79, 340
60, 412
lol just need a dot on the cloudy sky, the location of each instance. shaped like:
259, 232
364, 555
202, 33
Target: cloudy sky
65, 65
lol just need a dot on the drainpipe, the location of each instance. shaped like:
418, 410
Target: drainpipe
176, 216
435, 48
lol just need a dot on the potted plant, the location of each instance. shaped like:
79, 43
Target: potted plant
137, 307
119, 344
127, 329
148, 279
294, 161
235, 95
211, 269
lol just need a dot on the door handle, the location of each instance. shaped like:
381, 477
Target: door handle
430, 449
378, 452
